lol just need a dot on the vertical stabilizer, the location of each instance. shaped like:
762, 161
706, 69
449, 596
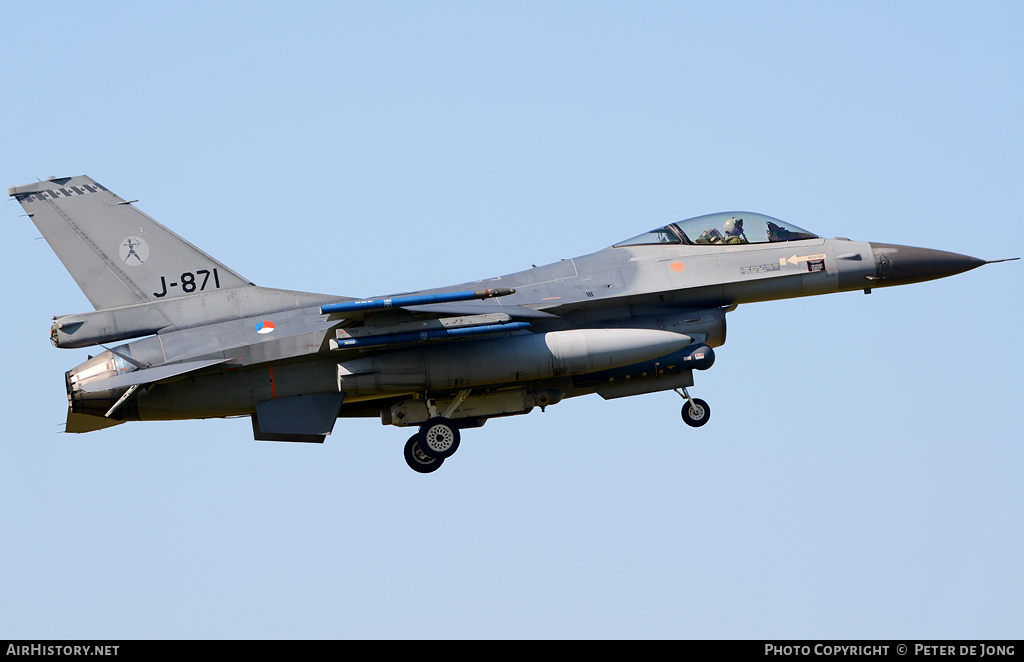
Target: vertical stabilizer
118, 255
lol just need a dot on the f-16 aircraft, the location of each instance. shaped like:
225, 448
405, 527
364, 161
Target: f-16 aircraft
637, 317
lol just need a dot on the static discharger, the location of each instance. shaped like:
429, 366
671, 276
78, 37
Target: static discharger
399, 302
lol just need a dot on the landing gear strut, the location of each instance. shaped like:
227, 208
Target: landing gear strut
695, 412
437, 439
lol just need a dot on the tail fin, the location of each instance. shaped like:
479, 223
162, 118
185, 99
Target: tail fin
117, 254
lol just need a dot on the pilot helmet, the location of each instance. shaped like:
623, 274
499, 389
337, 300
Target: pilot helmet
733, 226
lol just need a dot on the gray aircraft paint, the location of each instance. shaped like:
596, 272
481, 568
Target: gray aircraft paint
89, 228
220, 346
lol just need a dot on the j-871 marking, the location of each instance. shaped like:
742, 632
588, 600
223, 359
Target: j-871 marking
188, 282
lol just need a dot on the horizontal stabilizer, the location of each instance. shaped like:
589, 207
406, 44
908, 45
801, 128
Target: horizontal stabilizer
148, 376
86, 423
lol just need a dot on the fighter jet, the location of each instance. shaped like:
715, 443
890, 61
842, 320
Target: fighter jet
637, 317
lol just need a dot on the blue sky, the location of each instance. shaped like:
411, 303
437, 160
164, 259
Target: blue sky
861, 474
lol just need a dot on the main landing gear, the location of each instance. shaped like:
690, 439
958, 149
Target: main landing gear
437, 439
695, 412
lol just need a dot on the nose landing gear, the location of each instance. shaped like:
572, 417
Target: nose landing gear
695, 412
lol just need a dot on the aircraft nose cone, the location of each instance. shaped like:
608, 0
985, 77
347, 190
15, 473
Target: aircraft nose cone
899, 265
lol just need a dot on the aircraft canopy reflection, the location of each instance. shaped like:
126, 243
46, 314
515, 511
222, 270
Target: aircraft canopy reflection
731, 227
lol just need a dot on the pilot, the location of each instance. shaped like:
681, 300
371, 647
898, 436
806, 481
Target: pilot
734, 231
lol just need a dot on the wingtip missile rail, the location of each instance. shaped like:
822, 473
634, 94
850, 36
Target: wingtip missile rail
419, 300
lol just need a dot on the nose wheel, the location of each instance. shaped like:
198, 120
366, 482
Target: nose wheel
695, 412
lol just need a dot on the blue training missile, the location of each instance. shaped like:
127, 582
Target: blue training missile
399, 302
426, 336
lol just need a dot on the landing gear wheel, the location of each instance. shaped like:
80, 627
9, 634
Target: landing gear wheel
418, 460
439, 438
696, 415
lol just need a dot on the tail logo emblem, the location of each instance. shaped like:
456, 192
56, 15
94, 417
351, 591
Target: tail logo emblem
134, 251
264, 327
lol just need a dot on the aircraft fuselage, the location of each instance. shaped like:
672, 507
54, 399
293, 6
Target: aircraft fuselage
679, 288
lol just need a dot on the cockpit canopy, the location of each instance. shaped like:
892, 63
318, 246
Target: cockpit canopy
730, 227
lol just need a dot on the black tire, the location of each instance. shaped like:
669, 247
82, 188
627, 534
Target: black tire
439, 438
698, 416
417, 460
